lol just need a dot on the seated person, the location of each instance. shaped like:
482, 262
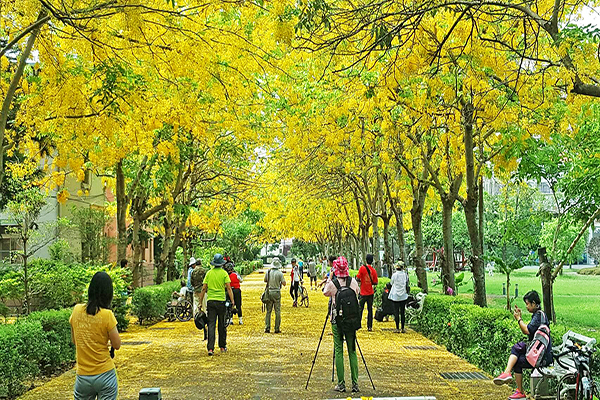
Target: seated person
386, 304
182, 294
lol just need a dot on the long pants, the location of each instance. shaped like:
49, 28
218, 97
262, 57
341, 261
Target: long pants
274, 302
338, 345
399, 308
216, 310
369, 300
294, 290
237, 297
103, 386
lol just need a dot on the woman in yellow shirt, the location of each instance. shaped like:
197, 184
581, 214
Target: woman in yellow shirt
92, 326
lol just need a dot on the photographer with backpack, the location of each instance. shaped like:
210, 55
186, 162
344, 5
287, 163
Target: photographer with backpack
522, 355
345, 320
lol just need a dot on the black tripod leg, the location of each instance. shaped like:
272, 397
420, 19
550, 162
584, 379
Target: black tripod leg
333, 364
364, 362
317, 352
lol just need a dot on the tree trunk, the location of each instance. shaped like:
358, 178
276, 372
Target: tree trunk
375, 247
448, 260
387, 248
26, 277
416, 216
121, 213
166, 249
508, 291
545, 273
137, 253
400, 232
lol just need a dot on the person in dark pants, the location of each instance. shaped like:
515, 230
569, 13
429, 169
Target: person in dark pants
236, 279
367, 276
399, 294
216, 282
296, 279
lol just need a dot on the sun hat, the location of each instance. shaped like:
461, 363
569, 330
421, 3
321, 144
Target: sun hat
192, 261
218, 260
276, 263
400, 265
340, 267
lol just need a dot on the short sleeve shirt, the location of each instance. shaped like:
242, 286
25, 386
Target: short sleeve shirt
366, 283
276, 279
215, 280
91, 340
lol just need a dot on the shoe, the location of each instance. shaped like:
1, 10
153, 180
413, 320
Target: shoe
355, 388
223, 349
517, 395
295, 304
370, 329
211, 352
340, 387
403, 330
241, 321
277, 331
396, 330
267, 331
504, 378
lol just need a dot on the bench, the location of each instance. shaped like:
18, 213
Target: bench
541, 376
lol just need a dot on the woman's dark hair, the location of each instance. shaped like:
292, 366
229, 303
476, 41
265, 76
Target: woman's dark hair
332, 258
533, 297
100, 293
369, 259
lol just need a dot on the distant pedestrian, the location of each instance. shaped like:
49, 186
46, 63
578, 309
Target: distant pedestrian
216, 283
197, 280
341, 282
312, 272
367, 276
191, 266
236, 280
93, 325
399, 294
275, 280
296, 279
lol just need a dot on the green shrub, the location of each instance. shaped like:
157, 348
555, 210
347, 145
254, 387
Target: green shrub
38, 344
247, 267
150, 302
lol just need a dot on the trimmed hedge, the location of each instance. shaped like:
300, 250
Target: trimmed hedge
39, 344
248, 267
482, 336
150, 302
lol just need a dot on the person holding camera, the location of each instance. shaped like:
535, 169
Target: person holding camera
345, 320
275, 280
93, 325
367, 277
216, 282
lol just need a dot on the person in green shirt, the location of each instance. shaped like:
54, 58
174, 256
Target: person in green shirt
216, 282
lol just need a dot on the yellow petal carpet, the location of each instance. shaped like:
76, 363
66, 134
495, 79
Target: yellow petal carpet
275, 366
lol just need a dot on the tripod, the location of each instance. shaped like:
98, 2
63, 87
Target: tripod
317, 352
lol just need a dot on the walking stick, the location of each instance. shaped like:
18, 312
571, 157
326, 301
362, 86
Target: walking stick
364, 362
317, 352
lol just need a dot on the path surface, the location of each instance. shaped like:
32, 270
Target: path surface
173, 356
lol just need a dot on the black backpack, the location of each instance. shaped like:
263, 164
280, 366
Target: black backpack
346, 307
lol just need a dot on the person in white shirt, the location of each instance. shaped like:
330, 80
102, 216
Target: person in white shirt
399, 294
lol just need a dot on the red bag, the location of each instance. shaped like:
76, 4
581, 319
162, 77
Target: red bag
536, 350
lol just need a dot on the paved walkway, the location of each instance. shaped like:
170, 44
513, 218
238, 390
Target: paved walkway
267, 366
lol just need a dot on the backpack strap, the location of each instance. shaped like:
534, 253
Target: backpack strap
336, 283
348, 281
369, 273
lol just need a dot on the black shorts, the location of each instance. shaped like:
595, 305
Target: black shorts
313, 278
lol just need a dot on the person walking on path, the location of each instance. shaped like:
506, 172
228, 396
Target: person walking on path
518, 354
191, 266
312, 272
275, 280
399, 294
296, 279
341, 281
216, 282
93, 325
367, 277
236, 279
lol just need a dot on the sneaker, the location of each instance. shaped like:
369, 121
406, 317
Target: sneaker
295, 304
403, 331
355, 388
370, 329
241, 321
517, 395
504, 378
340, 387
396, 330
267, 331
211, 352
223, 349
277, 331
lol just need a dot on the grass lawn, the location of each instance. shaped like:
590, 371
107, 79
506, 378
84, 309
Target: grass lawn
576, 297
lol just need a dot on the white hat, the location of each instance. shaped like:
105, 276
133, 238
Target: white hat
276, 263
192, 261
